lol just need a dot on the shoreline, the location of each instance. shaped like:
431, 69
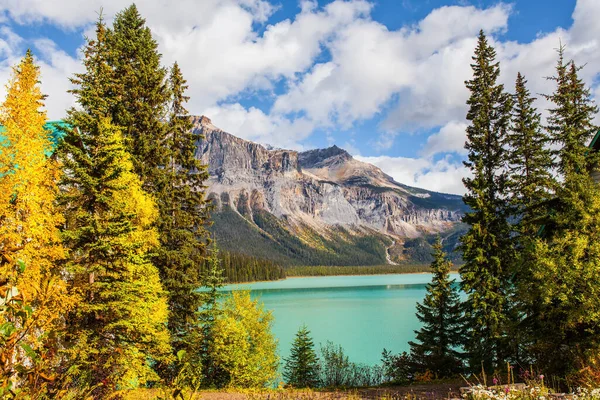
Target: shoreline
335, 275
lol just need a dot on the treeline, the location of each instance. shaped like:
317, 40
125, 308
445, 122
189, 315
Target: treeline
353, 270
103, 240
239, 268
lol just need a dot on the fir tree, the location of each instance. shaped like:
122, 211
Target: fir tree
531, 186
530, 163
203, 332
142, 100
119, 325
441, 316
567, 261
158, 131
486, 246
301, 369
183, 215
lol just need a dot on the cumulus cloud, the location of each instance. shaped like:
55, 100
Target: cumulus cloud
441, 176
325, 67
253, 124
450, 139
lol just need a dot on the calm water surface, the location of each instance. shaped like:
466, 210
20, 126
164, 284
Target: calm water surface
364, 314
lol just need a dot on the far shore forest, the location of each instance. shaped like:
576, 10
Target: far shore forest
105, 243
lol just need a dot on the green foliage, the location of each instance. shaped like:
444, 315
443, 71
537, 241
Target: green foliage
301, 369
183, 216
242, 268
566, 262
353, 270
150, 106
203, 335
397, 368
119, 325
273, 241
442, 331
486, 246
243, 345
530, 162
338, 371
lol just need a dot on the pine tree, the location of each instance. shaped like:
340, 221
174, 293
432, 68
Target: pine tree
31, 280
119, 325
183, 215
202, 334
567, 260
531, 186
301, 369
530, 163
486, 246
158, 132
142, 101
441, 315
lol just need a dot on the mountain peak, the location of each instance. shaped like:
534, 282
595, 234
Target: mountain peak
323, 157
202, 121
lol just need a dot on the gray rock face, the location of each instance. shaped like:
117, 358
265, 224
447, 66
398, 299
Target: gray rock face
319, 188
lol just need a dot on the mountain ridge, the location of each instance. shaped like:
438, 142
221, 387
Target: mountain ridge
314, 207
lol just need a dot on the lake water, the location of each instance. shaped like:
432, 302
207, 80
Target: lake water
364, 314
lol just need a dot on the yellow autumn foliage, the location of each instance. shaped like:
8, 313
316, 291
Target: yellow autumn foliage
29, 219
243, 344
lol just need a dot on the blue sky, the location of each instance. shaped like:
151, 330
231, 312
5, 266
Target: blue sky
383, 79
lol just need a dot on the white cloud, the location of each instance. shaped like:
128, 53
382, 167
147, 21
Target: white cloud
441, 176
424, 65
253, 124
450, 139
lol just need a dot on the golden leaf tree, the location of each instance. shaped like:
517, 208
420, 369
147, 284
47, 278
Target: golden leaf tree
33, 296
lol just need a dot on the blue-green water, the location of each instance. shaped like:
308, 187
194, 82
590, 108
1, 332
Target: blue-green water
364, 314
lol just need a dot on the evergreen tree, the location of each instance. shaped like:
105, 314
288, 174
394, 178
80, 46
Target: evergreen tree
531, 186
203, 339
142, 101
33, 293
441, 316
567, 260
183, 215
530, 163
301, 369
119, 325
158, 132
486, 246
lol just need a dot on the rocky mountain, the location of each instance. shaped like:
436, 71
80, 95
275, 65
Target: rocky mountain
318, 207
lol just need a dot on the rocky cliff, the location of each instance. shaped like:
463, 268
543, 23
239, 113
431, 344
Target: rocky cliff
315, 207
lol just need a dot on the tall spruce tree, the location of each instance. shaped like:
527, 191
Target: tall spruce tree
567, 259
530, 163
158, 131
442, 333
531, 185
144, 95
486, 246
119, 326
301, 369
184, 214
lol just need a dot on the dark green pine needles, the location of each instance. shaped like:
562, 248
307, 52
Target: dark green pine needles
486, 246
159, 135
438, 341
302, 367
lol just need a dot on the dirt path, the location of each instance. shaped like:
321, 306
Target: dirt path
387, 254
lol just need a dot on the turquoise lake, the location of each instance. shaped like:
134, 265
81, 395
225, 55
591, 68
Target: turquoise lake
364, 314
